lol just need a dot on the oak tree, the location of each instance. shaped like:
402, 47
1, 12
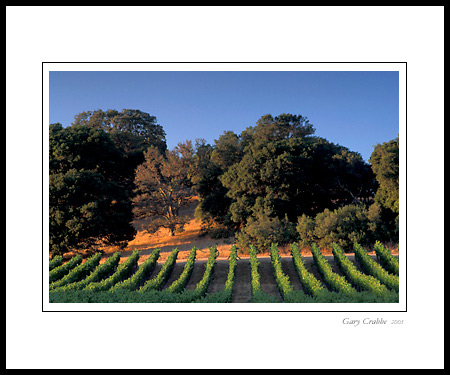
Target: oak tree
163, 186
88, 204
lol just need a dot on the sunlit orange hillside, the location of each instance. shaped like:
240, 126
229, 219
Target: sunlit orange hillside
184, 241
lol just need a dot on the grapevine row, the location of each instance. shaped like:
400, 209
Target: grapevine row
104, 270
187, 296
254, 265
281, 278
62, 270
284, 285
388, 261
178, 285
375, 269
258, 296
202, 285
134, 281
123, 271
359, 279
334, 281
310, 284
79, 272
157, 282
55, 262
226, 294
229, 283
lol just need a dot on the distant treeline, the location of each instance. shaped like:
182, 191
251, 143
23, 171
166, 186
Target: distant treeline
276, 182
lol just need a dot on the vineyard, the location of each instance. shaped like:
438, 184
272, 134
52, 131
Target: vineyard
255, 279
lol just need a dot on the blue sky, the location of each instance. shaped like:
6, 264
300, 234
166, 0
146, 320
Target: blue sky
353, 109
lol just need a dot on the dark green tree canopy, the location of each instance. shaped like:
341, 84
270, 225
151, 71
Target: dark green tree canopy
279, 169
296, 176
227, 150
272, 129
81, 147
131, 129
385, 165
89, 206
112, 167
230, 149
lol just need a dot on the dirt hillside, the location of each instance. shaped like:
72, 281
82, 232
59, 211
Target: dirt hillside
184, 241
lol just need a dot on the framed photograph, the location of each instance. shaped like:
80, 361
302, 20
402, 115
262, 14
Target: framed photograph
236, 186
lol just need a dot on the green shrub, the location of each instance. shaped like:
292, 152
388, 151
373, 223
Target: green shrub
305, 228
263, 230
344, 226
